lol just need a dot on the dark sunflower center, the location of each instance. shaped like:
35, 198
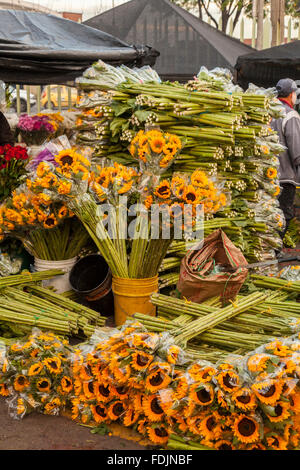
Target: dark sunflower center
211, 423
278, 410
163, 190
155, 407
44, 384
21, 380
267, 391
53, 364
244, 399
67, 382
142, 361
230, 381
121, 390
67, 160
191, 197
156, 380
100, 411
90, 387
203, 395
246, 427
225, 447
161, 432
118, 409
104, 390
49, 221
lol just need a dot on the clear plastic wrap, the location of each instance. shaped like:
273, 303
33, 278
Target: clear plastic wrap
36, 374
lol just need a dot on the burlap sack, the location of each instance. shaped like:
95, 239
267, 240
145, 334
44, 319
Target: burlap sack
199, 280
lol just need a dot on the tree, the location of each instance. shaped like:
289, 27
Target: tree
228, 9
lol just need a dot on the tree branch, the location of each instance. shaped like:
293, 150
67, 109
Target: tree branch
208, 13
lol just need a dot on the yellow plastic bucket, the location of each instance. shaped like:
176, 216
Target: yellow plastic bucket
133, 296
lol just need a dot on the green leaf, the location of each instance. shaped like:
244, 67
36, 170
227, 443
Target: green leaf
102, 429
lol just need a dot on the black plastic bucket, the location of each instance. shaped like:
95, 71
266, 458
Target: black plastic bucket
91, 278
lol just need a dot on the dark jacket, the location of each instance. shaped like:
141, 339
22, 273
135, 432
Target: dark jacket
288, 129
6, 136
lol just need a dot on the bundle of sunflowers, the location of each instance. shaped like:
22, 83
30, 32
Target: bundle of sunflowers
143, 381
36, 374
226, 134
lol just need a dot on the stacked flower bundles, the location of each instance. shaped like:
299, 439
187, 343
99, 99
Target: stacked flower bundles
142, 380
35, 374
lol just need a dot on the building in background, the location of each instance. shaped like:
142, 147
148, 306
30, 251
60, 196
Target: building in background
27, 6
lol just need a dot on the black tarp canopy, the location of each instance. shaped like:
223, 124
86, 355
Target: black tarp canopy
264, 68
41, 49
185, 42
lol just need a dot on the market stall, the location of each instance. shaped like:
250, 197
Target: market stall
185, 42
40, 49
265, 68
203, 350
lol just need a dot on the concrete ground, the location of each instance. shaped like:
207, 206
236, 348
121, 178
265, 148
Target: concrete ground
42, 432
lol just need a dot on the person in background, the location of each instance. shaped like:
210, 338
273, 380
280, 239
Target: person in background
6, 136
288, 129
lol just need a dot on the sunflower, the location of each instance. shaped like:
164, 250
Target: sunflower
122, 374
157, 143
191, 195
199, 178
116, 410
66, 384
86, 373
163, 190
158, 434
271, 173
66, 158
20, 383
244, 399
278, 348
175, 140
246, 429
99, 413
64, 187
258, 362
221, 397
295, 402
209, 427
202, 394
281, 411
140, 360
228, 380
53, 364
88, 390
43, 385
268, 391
130, 417
4, 392
202, 374
173, 353
52, 407
152, 408
193, 424
157, 380
165, 161
35, 369
256, 446
223, 444
21, 407
50, 221
75, 408
276, 442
